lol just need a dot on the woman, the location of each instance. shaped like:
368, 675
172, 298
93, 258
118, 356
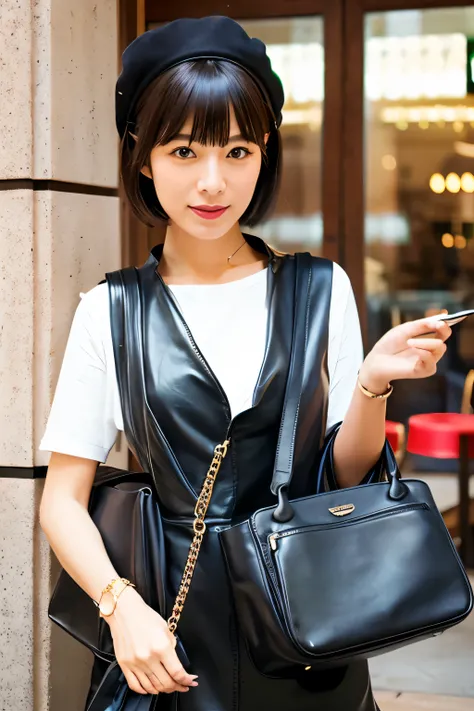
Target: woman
198, 111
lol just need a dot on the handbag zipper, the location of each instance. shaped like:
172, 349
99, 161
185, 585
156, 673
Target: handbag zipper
274, 537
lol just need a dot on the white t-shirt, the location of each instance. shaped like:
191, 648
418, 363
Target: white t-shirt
86, 415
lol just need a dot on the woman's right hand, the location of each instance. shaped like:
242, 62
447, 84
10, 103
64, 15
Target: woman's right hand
145, 648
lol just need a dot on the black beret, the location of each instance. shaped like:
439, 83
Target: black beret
213, 37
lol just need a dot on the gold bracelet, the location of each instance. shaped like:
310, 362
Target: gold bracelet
110, 588
374, 396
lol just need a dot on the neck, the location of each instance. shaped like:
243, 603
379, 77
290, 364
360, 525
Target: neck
189, 260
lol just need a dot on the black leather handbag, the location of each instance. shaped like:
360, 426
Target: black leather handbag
350, 573
125, 510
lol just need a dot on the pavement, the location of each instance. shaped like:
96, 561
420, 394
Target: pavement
391, 701
435, 675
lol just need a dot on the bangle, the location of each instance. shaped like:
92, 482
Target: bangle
374, 396
110, 588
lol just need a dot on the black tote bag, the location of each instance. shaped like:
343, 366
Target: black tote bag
346, 573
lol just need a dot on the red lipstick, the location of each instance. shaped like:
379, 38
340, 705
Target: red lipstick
208, 212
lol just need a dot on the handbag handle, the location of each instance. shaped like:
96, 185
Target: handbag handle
386, 465
284, 459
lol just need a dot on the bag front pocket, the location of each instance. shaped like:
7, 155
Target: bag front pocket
366, 581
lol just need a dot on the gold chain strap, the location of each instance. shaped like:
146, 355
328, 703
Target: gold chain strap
199, 526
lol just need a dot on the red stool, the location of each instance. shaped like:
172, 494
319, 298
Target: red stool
395, 433
448, 435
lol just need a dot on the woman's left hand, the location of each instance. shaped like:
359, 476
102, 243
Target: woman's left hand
401, 354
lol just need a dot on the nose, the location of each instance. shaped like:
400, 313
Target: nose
211, 179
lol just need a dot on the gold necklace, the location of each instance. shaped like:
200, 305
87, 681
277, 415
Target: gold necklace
229, 258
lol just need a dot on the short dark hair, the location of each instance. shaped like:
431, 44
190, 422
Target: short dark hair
204, 88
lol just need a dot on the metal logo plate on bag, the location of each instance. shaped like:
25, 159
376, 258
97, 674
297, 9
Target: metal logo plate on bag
342, 510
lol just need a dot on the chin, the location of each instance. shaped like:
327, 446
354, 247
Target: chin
210, 230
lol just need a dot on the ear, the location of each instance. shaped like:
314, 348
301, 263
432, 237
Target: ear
266, 137
146, 172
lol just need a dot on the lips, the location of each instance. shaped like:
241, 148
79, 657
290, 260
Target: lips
207, 212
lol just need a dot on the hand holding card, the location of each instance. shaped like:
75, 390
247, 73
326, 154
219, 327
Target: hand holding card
453, 319
450, 319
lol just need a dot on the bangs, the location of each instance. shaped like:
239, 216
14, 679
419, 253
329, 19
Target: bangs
206, 89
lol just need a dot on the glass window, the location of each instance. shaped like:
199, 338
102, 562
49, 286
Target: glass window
419, 179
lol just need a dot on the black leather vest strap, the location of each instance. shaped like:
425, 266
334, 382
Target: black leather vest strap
125, 321
307, 271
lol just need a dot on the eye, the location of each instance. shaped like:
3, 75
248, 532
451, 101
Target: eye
182, 152
236, 153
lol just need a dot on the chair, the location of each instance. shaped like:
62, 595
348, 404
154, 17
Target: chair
450, 435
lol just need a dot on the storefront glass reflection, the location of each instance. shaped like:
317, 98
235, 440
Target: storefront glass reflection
419, 183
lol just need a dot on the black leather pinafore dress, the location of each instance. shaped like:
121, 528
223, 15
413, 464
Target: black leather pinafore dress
175, 412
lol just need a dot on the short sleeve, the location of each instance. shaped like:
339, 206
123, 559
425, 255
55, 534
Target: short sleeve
345, 353
81, 422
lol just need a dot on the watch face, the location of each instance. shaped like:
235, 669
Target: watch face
107, 604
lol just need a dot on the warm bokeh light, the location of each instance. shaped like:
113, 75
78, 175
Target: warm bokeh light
447, 240
430, 66
437, 184
460, 242
467, 182
453, 182
441, 114
389, 162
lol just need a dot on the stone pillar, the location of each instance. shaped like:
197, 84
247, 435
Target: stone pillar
59, 234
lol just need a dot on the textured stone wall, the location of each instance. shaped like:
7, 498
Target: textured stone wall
59, 233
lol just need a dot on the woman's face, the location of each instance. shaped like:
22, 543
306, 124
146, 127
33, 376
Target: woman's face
190, 177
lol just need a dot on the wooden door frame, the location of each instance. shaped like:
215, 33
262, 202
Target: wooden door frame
353, 195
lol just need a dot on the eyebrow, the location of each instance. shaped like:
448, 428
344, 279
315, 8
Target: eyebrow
187, 137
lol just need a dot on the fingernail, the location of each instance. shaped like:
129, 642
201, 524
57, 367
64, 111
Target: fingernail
194, 676
194, 683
